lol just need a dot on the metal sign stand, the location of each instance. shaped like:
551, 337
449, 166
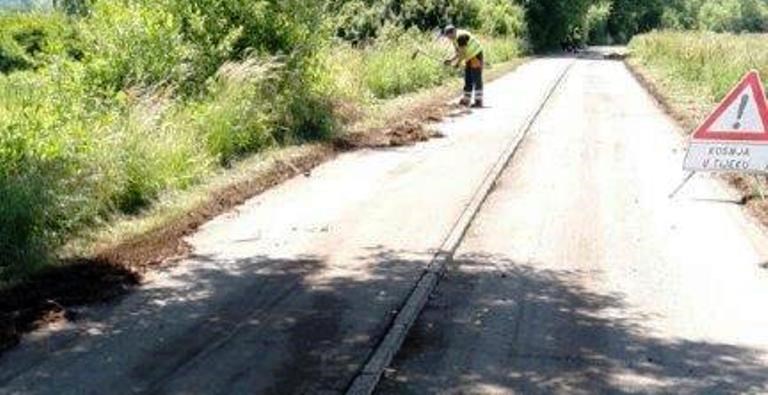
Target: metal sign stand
734, 137
757, 187
682, 184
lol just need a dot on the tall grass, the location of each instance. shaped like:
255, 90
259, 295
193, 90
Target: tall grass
101, 115
710, 62
391, 70
389, 67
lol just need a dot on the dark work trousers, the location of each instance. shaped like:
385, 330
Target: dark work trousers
473, 80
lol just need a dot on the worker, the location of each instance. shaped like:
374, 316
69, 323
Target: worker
469, 52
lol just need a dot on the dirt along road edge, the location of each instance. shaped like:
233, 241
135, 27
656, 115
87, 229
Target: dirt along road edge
113, 270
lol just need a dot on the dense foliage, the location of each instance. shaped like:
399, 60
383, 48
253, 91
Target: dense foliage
364, 19
110, 104
629, 17
553, 22
28, 41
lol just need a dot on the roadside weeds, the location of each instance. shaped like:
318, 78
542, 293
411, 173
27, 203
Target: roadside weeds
107, 264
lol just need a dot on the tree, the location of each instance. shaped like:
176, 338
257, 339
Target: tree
73, 7
554, 22
630, 17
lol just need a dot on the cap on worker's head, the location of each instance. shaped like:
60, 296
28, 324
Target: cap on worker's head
448, 30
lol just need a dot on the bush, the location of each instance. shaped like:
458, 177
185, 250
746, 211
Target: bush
39, 165
32, 40
596, 23
236, 117
22, 230
141, 113
500, 50
733, 16
502, 18
722, 16
147, 49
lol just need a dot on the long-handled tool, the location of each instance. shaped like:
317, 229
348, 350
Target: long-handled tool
424, 53
438, 34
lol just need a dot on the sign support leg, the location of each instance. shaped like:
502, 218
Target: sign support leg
758, 188
685, 181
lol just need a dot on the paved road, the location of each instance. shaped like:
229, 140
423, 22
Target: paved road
292, 291
579, 276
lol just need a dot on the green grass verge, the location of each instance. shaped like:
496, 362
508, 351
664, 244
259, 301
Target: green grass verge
700, 64
174, 205
94, 137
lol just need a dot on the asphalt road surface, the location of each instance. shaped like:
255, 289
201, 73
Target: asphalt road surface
578, 275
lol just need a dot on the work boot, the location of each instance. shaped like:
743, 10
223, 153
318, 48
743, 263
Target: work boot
478, 104
464, 102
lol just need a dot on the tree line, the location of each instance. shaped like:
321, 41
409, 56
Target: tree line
630, 17
546, 23
554, 22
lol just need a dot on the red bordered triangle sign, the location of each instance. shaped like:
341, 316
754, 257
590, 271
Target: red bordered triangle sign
742, 116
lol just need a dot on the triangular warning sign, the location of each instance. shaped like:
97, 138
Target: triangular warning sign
742, 116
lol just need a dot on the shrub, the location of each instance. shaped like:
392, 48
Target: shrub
722, 16
629, 17
499, 50
32, 40
502, 18
596, 23
147, 49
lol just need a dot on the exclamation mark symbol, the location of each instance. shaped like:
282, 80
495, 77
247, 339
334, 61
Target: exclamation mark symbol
742, 108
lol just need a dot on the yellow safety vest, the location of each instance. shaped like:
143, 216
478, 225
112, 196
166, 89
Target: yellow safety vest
472, 49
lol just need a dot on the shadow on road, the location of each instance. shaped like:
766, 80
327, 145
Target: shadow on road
273, 325
269, 325
497, 326
254, 325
